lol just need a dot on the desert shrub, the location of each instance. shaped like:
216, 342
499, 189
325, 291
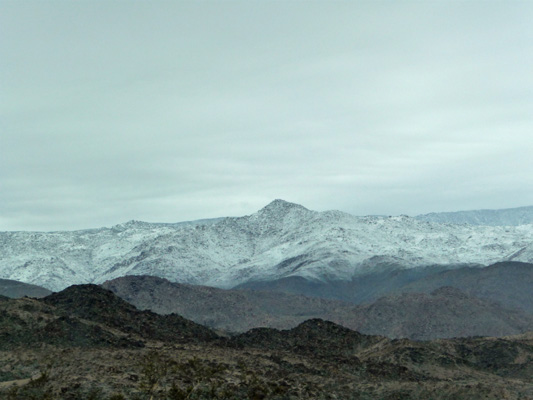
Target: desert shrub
154, 368
94, 394
177, 393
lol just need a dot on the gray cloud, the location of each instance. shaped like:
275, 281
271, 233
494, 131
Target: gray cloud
167, 111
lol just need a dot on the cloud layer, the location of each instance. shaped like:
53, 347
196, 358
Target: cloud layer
170, 111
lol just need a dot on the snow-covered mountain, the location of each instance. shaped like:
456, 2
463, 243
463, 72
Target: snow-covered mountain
281, 240
505, 217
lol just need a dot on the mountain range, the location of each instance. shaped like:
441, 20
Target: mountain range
505, 217
283, 242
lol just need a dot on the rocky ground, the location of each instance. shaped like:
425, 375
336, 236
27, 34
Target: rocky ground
85, 343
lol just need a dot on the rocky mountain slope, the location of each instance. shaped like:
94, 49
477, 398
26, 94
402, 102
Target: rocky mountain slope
93, 303
505, 217
88, 356
282, 240
88, 315
446, 312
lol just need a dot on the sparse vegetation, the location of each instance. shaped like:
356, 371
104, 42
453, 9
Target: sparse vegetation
91, 356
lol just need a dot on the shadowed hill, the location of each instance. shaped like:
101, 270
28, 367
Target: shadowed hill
88, 315
314, 336
28, 323
94, 303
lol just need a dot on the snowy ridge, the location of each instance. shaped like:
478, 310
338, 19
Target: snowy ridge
506, 217
283, 239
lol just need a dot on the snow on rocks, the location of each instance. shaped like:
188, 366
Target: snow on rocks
282, 239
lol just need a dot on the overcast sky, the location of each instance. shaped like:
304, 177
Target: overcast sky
167, 111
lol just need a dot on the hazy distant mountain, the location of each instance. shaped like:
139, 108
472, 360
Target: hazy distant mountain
281, 241
447, 312
377, 282
505, 217
15, 289
508, 283
228, 310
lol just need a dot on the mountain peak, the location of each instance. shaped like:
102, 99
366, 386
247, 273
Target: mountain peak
131, 224
281, 206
